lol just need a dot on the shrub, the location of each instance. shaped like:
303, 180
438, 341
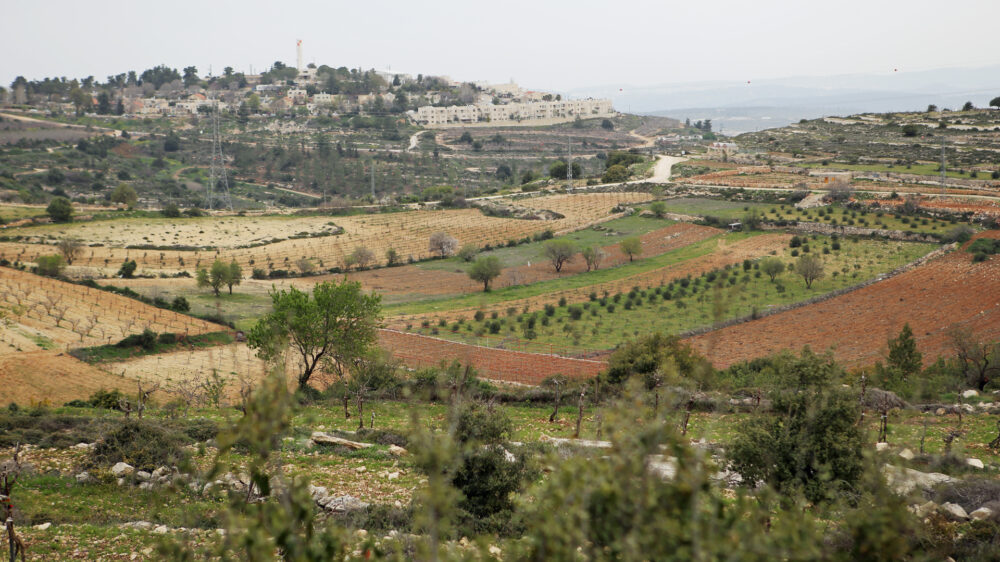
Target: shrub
106, 399
145, 340
180, 304
50, 266
141, 444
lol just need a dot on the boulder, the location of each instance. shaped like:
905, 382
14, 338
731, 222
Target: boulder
882, 446
84, 477
982, 513
343, 503
321, 438
969, 393
906, 454
975, 463
143, 476
145, 485
940, 411
43, 526
397, 451
160, 473
121, 469
968, 408
904, 480
160, 529
954, 511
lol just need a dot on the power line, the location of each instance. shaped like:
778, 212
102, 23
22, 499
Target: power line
217, 167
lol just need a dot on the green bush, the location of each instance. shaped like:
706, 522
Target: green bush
141, 444
106, 399
145, 340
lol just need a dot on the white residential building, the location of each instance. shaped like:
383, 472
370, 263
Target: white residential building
565, 110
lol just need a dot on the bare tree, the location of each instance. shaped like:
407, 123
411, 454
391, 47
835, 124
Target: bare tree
980, 360
442, 244
70, 247
10, 471
593, 256
556, 383
361, 257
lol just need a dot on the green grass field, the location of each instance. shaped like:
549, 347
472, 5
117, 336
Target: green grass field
606, 234
609, 320
916, 169
832, 214
499, 296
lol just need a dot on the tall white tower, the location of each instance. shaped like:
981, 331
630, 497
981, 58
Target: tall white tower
298, 53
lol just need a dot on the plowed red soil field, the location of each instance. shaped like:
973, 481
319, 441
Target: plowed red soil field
497, 364
947, 291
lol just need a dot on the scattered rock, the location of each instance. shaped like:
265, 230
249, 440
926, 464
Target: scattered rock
495, 551
904, 480
982, 513
161, 473
43, 526
343, 503
975, 463
906, 454
393, 475
360, 469
146, 486
881, 446
84, 477
940, 411
86, 446
145, 525
968, 408
121, 481
160, 529
969, 393
361, 533
121, 469
143, 476
954, 511
925, 509
397, 451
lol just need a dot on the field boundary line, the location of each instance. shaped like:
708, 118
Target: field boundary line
821, 298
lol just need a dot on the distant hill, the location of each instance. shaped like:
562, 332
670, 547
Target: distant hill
738, 107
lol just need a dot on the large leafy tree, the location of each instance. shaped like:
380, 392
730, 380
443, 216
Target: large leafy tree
485, 269
337, 325
559, 252
216, 277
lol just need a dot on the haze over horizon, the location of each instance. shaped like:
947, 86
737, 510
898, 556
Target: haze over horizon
557, 46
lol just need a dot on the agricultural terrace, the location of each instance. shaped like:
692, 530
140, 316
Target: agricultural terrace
51, 314
833, 215
52, 377
945, 292
686, 258
612, 316
406, 232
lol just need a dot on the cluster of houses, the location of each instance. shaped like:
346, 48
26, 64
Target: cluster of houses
474, 103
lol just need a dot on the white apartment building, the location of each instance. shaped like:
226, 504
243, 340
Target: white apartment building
561, 110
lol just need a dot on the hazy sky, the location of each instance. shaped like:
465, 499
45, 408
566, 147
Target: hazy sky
544, 44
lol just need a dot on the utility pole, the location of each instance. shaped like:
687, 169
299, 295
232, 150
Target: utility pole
373, 180
569, 163
943, 188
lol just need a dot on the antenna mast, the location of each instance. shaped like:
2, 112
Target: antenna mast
217, 167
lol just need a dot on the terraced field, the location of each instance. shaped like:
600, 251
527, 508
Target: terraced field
948, 291
406, 232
